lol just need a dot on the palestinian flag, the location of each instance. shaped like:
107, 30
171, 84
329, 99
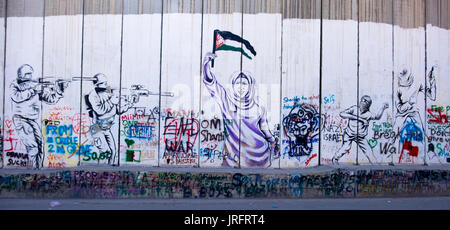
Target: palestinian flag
225, 40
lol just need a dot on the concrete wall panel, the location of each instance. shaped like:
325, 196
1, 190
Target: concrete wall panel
375, 80
339, 81
437, 145
218, 129
300, 85
2, 74
180, 75
102, 40
22, 145
62, 61
260, 123
139, 130
409, 82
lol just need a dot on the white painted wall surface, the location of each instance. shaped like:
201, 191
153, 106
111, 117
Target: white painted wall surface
300, 83
101, 54
180, 76
263, 31
24, 38
375, 81
438, 44
141, 66
409, 53
226, 63
62, 60
339, 78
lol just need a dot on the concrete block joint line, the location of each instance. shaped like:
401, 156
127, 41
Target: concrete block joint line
97, 87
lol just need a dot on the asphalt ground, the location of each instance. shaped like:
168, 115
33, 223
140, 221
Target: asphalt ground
395, 203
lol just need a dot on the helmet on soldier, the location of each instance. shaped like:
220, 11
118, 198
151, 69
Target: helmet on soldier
100, 80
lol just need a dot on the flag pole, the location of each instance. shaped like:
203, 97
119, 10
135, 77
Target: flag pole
214, 46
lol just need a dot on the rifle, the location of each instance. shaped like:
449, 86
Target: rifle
60, 83
140, 90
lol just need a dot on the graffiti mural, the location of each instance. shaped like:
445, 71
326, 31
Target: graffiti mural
249, 132
359, 118
27, 94
408, 120
103, 86
103, 105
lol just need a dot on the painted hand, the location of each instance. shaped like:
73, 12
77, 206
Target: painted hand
208, 57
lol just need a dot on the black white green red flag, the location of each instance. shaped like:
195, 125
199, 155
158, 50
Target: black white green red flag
227, 41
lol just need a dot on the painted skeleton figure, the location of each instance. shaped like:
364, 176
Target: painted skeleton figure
249, 132
27, 95
406, 99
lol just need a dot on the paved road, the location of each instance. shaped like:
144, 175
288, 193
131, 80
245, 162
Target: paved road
430, 203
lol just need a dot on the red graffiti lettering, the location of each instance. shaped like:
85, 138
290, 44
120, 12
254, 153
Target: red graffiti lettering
309, 160
179, 130
443, 119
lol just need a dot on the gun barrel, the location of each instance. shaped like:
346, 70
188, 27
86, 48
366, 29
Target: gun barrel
84, 78
167, 94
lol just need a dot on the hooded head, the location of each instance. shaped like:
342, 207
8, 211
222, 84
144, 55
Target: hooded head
243, 94
365, 103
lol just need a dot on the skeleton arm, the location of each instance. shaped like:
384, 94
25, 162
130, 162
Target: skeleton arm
431, 91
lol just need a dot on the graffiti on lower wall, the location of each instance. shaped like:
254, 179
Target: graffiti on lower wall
135, 184
438, 134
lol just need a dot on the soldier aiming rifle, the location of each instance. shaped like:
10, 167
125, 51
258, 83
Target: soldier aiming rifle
27, 93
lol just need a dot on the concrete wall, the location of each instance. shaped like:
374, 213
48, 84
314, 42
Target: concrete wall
316, 63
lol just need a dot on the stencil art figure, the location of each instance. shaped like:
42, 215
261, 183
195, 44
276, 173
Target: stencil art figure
103, 106
256, 142
27, 93
361, 122
406, 99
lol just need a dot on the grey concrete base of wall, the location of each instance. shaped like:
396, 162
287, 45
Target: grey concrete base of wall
201, 183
